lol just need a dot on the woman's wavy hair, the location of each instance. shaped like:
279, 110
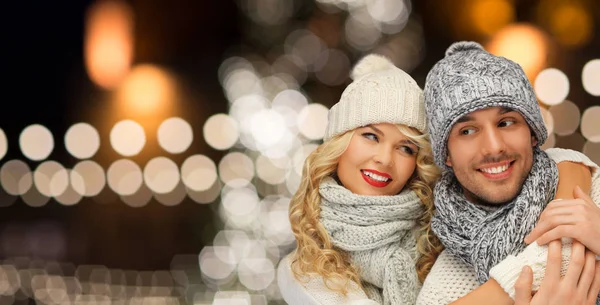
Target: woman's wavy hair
315, 253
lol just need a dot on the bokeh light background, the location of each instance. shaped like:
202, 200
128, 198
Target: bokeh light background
149, 149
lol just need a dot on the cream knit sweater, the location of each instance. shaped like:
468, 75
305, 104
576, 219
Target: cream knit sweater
313, 291
449, 279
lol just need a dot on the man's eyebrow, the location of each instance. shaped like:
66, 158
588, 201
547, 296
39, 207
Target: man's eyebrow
464, 118
467, 118
505, 110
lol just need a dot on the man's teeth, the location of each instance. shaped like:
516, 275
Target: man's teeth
376, 177
495, 170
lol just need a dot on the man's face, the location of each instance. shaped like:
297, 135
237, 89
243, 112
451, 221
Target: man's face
491, 153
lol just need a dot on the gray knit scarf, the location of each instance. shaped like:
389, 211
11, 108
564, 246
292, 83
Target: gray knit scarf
379, 234
483, 237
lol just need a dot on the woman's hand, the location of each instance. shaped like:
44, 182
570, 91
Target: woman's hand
580, 285
577, 218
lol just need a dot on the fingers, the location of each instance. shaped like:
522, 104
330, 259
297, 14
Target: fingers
523, 286
557, 214
578, 193
580, 285
588, 274
595, 288
553, 265
548, 224
576, 263
585, 232
558, 233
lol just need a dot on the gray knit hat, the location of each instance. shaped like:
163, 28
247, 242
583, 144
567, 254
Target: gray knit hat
468, 79
380, 93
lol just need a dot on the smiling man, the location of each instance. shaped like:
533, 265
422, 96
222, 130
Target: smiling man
491, 154
486, 129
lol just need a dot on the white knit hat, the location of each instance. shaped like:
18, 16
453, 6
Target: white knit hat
380, 93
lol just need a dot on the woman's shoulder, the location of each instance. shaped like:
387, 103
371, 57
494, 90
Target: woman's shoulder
312, 290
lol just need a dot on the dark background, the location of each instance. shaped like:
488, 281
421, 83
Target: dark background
45, 82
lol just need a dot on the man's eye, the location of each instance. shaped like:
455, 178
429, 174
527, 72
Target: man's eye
467, 131
506, 123
370, 136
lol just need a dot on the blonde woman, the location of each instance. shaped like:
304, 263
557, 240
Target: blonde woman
362, 213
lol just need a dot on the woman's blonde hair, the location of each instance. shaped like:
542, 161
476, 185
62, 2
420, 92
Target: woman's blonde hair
315, 253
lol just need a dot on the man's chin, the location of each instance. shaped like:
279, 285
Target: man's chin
495, 200
498, 203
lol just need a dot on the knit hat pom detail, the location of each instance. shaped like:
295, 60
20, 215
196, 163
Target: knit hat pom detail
462, 46
369, 64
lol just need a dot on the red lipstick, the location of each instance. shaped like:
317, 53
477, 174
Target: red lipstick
373, 182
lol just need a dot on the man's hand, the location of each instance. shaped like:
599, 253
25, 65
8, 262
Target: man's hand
577, 218
580, 285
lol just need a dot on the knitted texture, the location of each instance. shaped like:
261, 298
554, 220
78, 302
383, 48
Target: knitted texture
507, 272
378, 233
380, 93
469, 79
312, 291
451, 278
482, 237
533, 256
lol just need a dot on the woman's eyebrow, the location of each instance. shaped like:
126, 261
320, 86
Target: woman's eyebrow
406, 141
376, 130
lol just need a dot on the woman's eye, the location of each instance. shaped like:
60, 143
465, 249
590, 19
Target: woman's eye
506, 123
407, 149
370, 136
467, 131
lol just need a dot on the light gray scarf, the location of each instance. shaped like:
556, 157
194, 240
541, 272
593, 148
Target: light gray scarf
379, 234
483, 237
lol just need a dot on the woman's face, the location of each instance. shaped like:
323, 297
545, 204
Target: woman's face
378, 161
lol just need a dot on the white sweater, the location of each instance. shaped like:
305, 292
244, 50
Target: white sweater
451, 279
313, 291
448, 280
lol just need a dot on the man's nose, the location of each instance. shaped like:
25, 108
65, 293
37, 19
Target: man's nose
493, 142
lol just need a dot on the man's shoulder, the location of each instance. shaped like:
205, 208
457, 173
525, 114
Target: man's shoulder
449, 279
448, 265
